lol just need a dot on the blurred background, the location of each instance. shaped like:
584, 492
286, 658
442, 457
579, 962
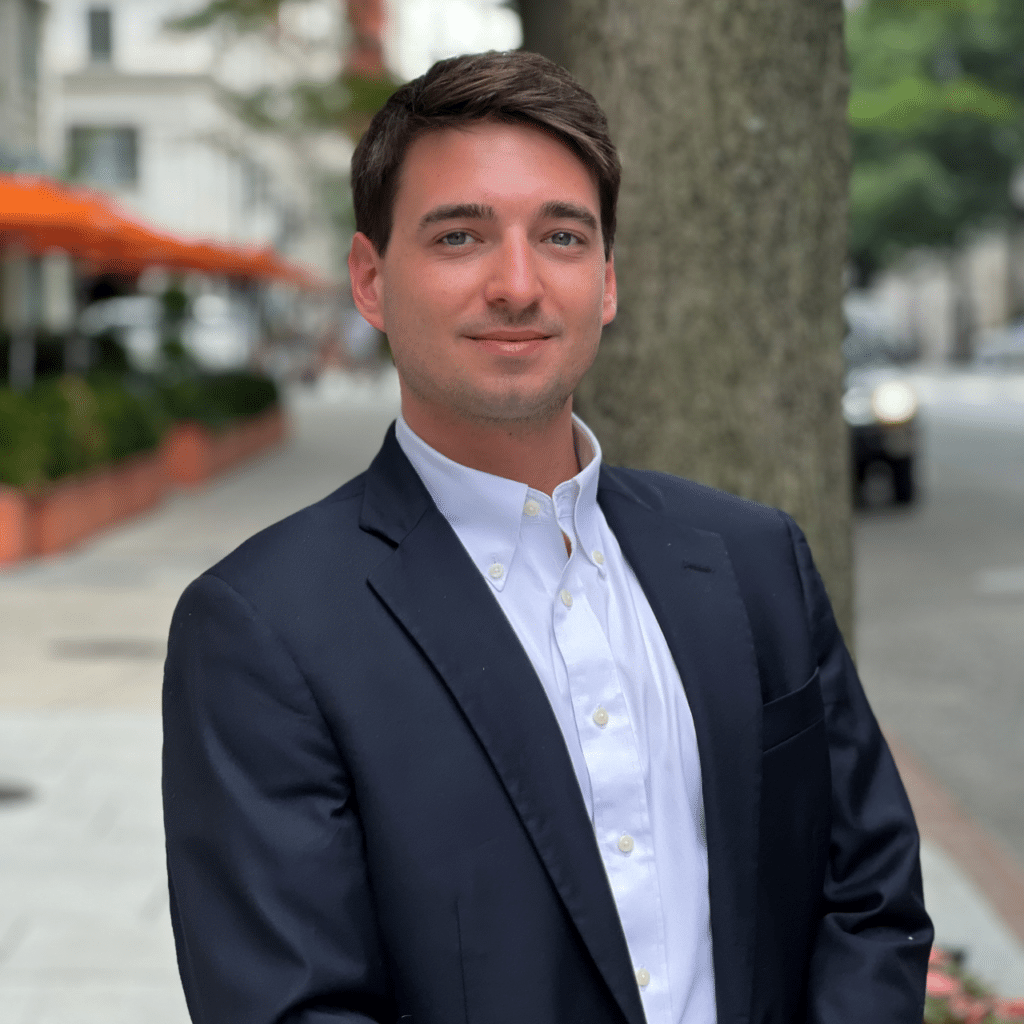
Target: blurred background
821, 263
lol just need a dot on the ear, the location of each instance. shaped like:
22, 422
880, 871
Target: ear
364, 270
611, 294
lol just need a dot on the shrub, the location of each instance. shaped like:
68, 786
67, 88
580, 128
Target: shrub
22, 441
70, 424
216, 400
133, 422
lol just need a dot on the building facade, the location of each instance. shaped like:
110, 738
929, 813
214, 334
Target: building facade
21, 30
139, 110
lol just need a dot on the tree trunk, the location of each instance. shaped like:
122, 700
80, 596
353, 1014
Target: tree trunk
723, 364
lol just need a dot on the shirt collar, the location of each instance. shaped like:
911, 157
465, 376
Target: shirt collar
486, 511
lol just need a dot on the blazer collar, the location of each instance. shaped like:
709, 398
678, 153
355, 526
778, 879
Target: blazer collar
688, 579
434, 590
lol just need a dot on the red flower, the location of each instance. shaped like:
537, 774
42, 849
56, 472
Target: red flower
942, 986
1012, 1009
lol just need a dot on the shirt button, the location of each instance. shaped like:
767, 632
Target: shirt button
601, 717
532, 508
643, 977
566, 598
598, 557
496, 571
626, 844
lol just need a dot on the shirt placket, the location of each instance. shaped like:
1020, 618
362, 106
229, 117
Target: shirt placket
619, 810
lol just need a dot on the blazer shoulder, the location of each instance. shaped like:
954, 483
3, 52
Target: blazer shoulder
297, 552
700, 506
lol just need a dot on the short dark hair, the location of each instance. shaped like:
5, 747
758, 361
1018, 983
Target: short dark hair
515, 87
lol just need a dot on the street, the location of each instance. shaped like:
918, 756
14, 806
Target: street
940, 601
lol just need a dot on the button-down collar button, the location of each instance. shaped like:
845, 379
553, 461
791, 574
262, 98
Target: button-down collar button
598, 557
626, 844
643, 977
532, 508
496, 571
601, 717
566, 598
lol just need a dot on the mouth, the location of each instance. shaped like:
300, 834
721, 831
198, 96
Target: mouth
510, 336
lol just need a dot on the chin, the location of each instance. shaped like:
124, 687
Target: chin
519, 407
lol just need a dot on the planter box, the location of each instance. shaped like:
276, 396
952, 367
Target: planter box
59, 515
194, 454
56, 516
15, 525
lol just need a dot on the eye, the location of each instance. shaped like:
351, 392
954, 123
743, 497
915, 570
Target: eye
564, 239
457, 239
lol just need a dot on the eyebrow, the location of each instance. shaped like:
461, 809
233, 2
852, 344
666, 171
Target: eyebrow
556, 210
457, 211
569, 211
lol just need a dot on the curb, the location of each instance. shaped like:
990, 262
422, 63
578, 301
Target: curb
980, 856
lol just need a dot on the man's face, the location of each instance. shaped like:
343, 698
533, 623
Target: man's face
494, 286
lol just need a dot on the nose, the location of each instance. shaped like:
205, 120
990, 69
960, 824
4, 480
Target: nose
513, 281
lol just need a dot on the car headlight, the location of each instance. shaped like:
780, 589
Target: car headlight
893, 402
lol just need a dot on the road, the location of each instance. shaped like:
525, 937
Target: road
940, 603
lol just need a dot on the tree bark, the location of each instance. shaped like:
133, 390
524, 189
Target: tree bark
723, 364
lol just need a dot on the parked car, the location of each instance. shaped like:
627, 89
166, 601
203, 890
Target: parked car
880, 408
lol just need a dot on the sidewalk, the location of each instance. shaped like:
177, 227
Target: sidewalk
84, 928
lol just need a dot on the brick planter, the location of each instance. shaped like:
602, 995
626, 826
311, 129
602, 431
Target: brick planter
194, 454
15, 525
59, 515
55, 517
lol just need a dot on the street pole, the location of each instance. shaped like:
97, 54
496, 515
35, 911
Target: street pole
21, 355
21, 360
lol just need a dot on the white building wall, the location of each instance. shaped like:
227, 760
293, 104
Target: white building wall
193, 154
21, 23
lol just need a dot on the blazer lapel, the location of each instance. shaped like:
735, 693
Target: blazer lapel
689, 582
433, 589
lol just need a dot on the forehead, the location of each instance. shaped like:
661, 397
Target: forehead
491, 163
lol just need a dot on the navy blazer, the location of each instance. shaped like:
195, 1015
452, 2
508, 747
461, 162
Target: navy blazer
371, 814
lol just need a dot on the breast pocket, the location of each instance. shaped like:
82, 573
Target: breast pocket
788, 716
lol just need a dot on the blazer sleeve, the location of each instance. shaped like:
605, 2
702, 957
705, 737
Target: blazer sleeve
270, 901
870, 957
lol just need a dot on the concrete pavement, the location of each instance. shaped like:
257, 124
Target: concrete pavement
84, 928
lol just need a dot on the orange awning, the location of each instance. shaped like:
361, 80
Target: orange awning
38, 214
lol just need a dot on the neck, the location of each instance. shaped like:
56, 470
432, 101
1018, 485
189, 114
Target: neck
539, 454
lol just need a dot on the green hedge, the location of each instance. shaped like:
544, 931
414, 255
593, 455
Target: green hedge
69, 424
218, 399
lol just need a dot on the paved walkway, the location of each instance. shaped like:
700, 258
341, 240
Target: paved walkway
84, 928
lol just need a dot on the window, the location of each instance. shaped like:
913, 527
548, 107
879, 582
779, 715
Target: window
255, 184
31, 40
108, 157
101, 35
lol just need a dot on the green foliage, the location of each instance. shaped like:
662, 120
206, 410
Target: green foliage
342, 104
217, 400
22, 440
69, 424
132, 418
936, 118
239, 16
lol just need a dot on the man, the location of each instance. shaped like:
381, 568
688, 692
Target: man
495, 733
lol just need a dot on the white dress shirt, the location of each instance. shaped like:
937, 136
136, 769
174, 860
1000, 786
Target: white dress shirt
602, 659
